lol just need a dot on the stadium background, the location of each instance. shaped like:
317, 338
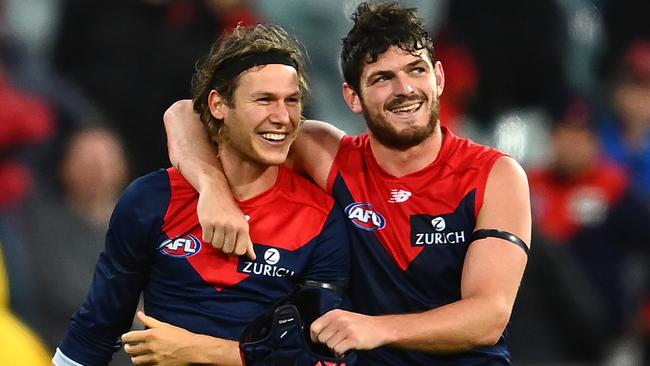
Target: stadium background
561, 85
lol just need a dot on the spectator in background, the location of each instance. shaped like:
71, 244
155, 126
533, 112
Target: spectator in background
64, 234
93, 173
460, 66
24, 120
585, 203
27, 70
625, 130
133, 58
624, 22
518, 46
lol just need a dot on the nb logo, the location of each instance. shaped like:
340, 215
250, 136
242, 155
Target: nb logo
398, 196
180, 247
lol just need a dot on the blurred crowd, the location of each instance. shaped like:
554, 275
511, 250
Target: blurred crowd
561, 85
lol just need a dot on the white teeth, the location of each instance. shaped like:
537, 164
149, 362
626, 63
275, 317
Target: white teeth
410, 108
273, 136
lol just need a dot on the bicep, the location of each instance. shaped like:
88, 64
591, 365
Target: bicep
494, 267
314, 150
506, 203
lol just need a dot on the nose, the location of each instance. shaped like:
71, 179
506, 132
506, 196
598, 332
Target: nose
402, 85
279, 113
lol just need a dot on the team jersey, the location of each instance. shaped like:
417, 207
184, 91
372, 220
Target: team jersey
410, 236
154, 247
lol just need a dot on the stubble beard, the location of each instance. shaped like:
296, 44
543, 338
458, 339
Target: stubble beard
388, 136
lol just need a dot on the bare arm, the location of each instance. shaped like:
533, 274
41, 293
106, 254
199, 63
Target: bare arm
221, 220
492, 272
313, 152
164, 344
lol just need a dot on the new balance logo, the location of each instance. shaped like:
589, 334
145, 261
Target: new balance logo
399, 195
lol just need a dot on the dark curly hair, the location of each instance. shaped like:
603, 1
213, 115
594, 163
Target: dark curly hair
376, 28
232, 47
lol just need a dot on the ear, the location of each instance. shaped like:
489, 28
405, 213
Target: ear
352, 99
217, 105
440, 77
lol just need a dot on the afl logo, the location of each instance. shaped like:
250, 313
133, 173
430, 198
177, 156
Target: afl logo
364, 217
438, 224
181, 247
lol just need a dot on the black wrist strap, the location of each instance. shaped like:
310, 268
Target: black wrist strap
493, 233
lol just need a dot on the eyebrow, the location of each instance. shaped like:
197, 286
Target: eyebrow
389, 73
259, 94
416, 62
378, 73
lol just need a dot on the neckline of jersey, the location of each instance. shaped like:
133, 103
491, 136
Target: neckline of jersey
374, 165
268, 195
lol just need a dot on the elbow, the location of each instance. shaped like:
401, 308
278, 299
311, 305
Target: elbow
488, 339
179, 108
172, 115
493, 330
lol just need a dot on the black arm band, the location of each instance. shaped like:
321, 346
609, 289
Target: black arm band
493, 233
336, 286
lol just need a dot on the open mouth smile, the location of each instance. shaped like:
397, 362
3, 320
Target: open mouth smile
406, 109
273, 136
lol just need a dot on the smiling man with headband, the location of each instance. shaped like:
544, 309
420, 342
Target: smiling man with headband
249, 93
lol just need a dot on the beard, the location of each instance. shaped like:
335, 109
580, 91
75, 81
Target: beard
390, 137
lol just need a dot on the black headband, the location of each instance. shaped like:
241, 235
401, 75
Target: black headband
234, 67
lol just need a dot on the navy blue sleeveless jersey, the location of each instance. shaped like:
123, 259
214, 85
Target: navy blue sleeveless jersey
410, 236
154, 247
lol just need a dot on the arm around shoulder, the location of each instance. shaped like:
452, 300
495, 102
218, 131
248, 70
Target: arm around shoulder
222, 222
315, 149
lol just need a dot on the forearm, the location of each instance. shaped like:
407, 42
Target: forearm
215, 351
222, 221
491, 276
189, 149
456, 327
166, 344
